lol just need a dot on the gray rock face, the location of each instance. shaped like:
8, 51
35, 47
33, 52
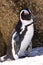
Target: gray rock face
38, 51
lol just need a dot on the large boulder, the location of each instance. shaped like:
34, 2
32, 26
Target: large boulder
9, 16
3, 46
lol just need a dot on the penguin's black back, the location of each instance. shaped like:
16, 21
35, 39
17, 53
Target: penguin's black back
18, 27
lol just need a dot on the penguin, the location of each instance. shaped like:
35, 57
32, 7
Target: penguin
21, 37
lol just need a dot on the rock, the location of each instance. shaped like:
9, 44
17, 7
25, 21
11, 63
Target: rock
9, 16
38, 51
2, 45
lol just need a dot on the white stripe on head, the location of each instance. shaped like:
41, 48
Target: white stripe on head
25, 22
21, 13
24, 11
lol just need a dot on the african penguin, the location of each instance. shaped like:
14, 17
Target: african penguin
21, 37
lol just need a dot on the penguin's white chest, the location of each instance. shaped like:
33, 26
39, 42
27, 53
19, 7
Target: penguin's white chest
28, 36
27, 39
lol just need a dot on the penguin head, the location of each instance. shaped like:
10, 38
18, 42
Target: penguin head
25, 14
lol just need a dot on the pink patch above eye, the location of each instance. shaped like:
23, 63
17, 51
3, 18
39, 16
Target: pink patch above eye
26, 13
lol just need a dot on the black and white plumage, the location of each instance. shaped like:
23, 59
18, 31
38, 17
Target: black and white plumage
21, 37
